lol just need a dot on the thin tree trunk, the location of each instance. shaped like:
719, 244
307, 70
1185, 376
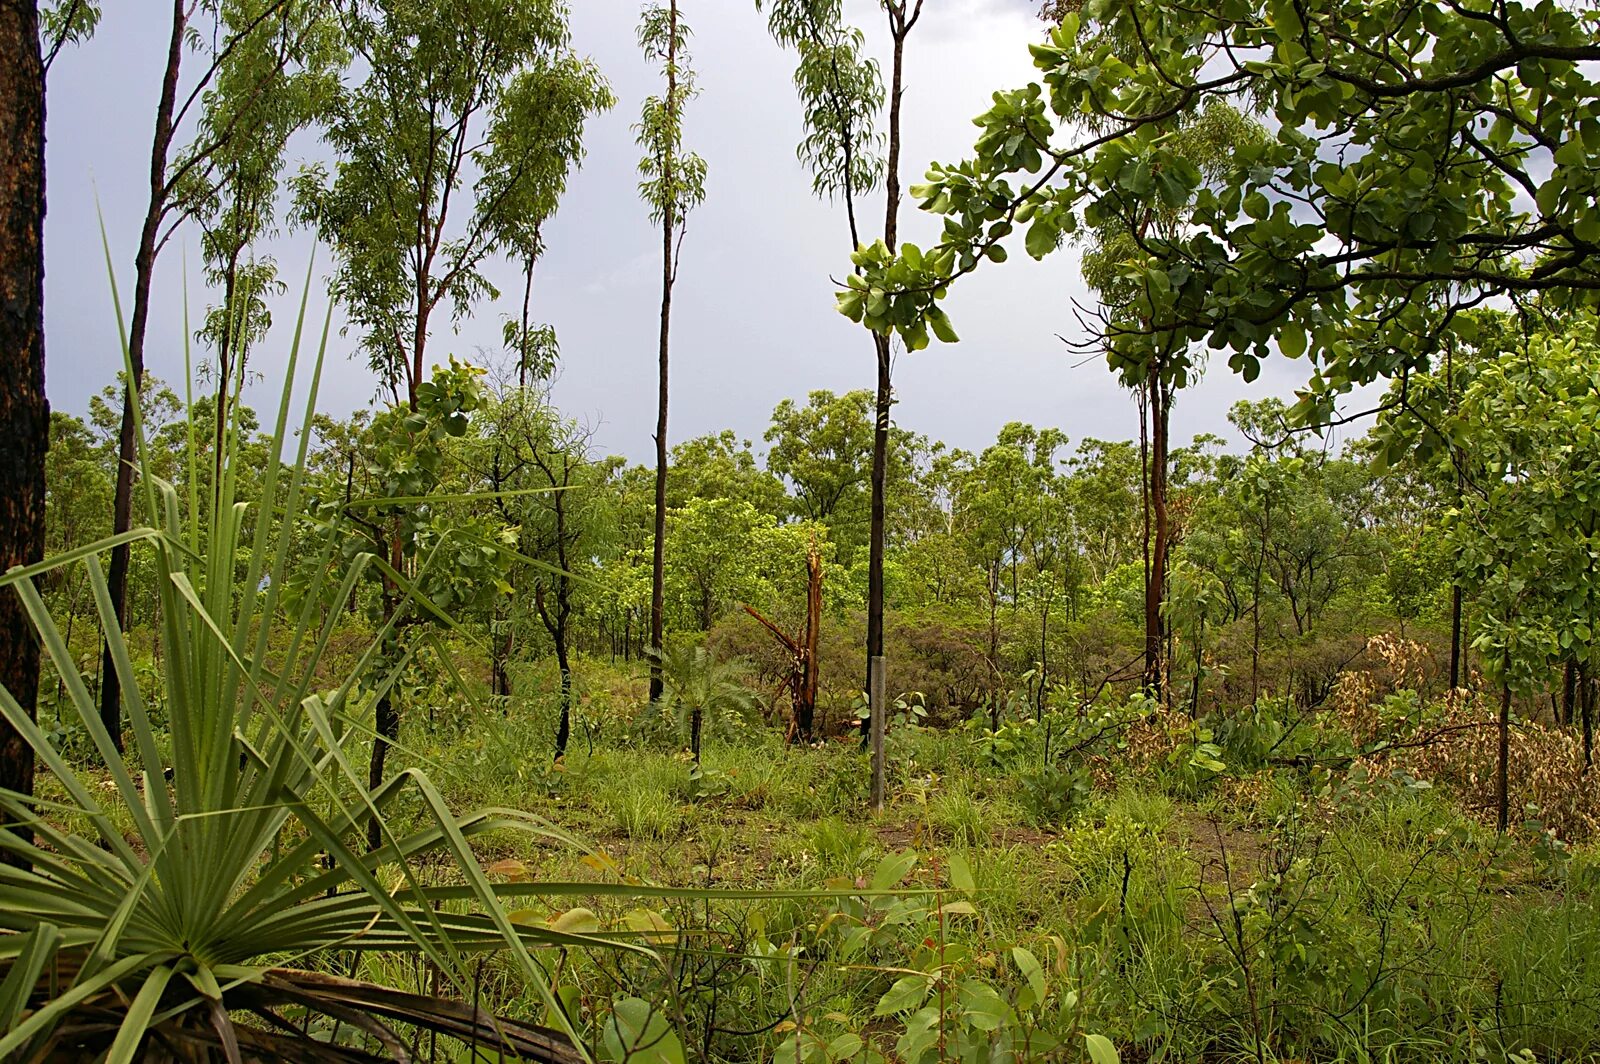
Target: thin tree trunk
1569, 693
385, 712
522, 349
877, 688
668, 275
1587, 685
1502, 797
1155, 586
564, 725
143, 268
24, 412
1455, 638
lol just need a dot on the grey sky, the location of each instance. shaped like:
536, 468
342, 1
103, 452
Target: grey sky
753, 315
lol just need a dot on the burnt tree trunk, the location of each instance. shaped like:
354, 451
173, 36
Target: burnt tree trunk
1160, 534
1502, 796
24, 413
143, 268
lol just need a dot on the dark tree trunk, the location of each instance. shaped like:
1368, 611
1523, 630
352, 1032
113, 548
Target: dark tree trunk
564, 726
1569, 694
1502, 797
24, 413
1156, 586
668, 276
1455, 638
805, 705
1587, 686
386, 712
143, 268
876, 530
899, 26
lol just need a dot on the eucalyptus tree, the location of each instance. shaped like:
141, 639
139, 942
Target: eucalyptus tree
274, 84
842, 91
64, 22
673, 184
1205, 139
552, 500
248, 51
24, 411
823, 448
541, 124
454, 91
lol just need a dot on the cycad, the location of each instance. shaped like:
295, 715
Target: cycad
697, 688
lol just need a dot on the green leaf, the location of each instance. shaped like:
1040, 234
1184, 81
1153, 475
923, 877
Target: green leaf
1031, 970
939, 322
1100, 1049
1042, 237
907, 993
961, 874
1292, 340
893, 869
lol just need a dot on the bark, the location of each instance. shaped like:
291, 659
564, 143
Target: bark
1502, 797
668, 276
878, 714
1156, 586
385, 713
143, 268
1588, 685
1569, 694
24, 413
1455, 638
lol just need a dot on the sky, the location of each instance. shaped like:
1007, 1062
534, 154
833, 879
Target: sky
753, 317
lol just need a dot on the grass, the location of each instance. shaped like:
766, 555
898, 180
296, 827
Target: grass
1254, 918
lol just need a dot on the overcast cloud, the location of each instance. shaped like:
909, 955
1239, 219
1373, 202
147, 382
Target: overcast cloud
753, 315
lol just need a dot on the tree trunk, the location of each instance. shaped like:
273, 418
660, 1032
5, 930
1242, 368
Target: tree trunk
1455, 638
1502, 797
24, 412
1569, 694
877, 687
385, 715
668, 275
805, 706
1587, 685
143, 268
1155, 586
564, 726
876, 535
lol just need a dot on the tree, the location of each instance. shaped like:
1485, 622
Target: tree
674, 183
197, 177
1525, 532
424, 558
549, 495
1468, 175
698, 688
824, 449
24, 411
842, 93
452, 92
275, 83
540, 121
721, 466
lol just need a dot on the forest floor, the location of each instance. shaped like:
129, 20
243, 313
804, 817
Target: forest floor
1359, 922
